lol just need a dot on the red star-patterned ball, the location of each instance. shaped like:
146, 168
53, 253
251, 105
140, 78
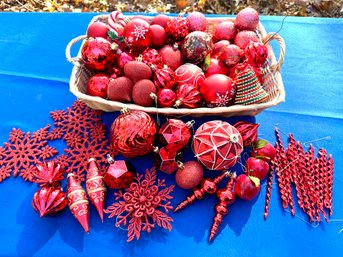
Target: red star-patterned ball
217, 145
137, 34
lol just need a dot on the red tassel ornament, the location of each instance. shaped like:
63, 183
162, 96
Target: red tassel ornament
78, 202
96, 187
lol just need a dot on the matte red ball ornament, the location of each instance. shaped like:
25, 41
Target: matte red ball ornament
189, 73
189, 175
78, 202
119, 174
225, 31
247, 19
217, 145
188, 96
137, 34
218, 90
172, 56
132, 133
197, 21
49, 201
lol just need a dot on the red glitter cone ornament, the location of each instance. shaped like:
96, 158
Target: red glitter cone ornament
119, 174
48, 173
133, 133
49, 201
78, 202
217, 145
95, 186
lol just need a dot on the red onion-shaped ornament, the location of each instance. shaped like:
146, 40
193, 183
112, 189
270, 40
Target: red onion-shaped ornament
188, 96
164, 77
98, 54
48, 173
151, 56
95, 186
49, 201
133, 133
256, 53
217, 145
78, 202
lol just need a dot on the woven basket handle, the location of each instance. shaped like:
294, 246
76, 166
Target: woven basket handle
271, 36
74, 60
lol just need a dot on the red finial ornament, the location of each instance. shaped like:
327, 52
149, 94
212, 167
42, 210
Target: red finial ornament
226, 197
96, 187
48, 174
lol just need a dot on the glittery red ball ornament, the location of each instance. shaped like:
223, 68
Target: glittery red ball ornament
137, 34
196, 46
188, 96
197, 21
151, 56
166, 97
133, 133
164, 77
175, 133
189, 73
217, 145
49, 201
256, 53
165, 159
119, 174
98, 85
177, 28
218, 90
225, 31
189, 175
98, 54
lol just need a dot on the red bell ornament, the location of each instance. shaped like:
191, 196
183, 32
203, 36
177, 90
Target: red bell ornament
78, 202
217, 145
95, 187
119, 174
49, 201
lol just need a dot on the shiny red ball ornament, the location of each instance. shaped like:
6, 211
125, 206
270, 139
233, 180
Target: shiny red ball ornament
196, 46
218, 90
256, 53
247, 187
98, 54
188, 96
231, 55
132, 133
124, 58
78, 202
95, 186
151, 56
119, 174
48, 173
137, 34
177, 28
166, 98
165, 159
217, 145
189, 175
189, 73
218, 47
98, 85
164, 77
49, 201
175, 133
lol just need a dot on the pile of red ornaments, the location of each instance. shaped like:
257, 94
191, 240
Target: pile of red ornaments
181, 62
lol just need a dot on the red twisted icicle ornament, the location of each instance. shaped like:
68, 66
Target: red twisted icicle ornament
269, 188
226, 197
207, 185
279, 166
328, 200
96, 187
301, 183
78, 202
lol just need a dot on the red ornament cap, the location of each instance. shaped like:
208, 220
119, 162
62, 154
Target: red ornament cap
119, 174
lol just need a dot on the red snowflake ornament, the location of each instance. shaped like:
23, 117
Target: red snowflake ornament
142, 205
23, 151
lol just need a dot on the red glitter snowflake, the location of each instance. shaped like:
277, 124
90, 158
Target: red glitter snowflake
23, 151
142, 205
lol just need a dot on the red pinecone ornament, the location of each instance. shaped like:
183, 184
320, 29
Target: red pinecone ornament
177, 28
49, 201
188, 96
48, 173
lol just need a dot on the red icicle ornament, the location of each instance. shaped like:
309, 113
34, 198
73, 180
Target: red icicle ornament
78, 202
95, 186
48, 173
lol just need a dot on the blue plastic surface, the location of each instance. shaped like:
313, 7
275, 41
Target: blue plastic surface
34, 76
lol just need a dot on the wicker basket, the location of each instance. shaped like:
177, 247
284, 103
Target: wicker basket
272, 82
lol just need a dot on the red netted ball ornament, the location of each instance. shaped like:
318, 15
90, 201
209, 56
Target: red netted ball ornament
49, 201
151, 56
98, 54
119, 174
164, 77
133, 133
137, 34
196, 46
48, 173
188, 96
256, 53
177, 28
217, 145
175, 133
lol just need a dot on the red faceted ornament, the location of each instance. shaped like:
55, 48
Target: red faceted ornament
189, 74
119, 174
217, 145
49, 201
165, 159
133, 133
188, 96
256, 53
48, 173
177, 28
95, 186
98, 54
78, 202
164, 77
175, 133
196, 46
137, 34
151, 57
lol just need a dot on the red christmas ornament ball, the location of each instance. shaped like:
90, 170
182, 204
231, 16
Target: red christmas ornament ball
247, 19
97, 29
231, 55
137, 34
218, 90
216, 67
225, 31
244, 38
159, 36
197, 21
166, 97
160, 19
164, 78
188, 96
189, 175
177, 28
218, 47
217, 145
189, 73
98, 85
171, 56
